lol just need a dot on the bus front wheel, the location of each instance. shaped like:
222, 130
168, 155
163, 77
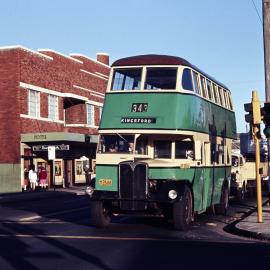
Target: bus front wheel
99, 214
183, 211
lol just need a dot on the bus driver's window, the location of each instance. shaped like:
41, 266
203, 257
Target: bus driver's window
141, 145
184, 149
162, 149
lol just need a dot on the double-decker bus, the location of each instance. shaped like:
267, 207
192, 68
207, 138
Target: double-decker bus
165, 142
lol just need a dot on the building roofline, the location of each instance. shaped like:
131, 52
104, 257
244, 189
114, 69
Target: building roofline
61, 54
14, 47
91, 59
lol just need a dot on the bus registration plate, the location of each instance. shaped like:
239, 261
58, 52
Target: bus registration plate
105, 182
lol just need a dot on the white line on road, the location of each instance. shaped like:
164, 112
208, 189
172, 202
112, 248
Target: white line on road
86, 237
53, 214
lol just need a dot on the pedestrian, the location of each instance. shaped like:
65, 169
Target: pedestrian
43, 178
87, 171
32, 175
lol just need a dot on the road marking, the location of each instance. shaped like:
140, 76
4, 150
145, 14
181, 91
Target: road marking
86, 237
53, 214
33, 222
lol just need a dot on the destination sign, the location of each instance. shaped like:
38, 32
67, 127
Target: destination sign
138, 120
139, 107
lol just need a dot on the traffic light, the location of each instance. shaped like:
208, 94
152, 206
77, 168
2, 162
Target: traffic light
266, 119
249, 116
254, 116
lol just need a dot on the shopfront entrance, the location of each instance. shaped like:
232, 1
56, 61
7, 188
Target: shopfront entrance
68, 163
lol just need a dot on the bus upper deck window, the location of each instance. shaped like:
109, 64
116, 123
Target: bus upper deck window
195, 82
221, 98
203, 86
160, 78
209, 89
216, 96
187, 80
127, 79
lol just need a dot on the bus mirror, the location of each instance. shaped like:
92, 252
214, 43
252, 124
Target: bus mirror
198, 150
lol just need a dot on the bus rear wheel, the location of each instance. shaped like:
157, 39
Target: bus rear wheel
222, 207
183, 211
99, 214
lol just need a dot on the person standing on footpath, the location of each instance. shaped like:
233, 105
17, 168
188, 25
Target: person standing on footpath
32, 175
43, 177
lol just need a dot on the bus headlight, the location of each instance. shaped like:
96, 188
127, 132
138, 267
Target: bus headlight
89, 191
172, 194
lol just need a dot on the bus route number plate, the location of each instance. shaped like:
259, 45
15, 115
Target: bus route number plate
105, 182
139, 107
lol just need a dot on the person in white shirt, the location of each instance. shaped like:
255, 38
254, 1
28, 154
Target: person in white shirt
32, 175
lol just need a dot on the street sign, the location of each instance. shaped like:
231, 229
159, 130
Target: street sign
51, 152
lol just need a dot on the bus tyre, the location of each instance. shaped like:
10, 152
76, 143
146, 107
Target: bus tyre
221, 208
183, 211
99, 214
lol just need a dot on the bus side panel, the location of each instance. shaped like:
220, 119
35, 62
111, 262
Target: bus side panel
192, 175
171, 173
107, 178
217, 176
179, 111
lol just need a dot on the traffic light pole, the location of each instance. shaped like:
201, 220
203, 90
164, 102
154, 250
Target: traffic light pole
256, 121
258, 177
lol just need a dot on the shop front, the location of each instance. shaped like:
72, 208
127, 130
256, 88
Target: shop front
74, 154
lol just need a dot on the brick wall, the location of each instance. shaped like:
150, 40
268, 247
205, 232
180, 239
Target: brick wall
9, 107
85, 77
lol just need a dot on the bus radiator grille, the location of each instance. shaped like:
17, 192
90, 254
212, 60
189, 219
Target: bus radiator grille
133, 185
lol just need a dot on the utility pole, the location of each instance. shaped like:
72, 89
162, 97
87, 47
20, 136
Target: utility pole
266, 38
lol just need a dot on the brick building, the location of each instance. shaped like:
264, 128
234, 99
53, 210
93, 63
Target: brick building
47, 98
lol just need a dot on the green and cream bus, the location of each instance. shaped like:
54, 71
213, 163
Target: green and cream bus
165, 142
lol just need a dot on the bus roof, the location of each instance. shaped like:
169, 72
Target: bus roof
158, 59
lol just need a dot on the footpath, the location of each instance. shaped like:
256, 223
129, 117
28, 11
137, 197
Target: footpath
41, 194
248, 226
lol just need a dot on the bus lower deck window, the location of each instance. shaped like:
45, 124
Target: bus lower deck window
162, 149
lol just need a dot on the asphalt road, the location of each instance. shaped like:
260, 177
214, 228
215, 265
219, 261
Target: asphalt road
56, 234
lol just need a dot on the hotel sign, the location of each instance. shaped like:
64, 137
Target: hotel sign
60, 147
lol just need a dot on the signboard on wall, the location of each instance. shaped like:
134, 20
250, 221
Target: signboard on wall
51, 152
59, 147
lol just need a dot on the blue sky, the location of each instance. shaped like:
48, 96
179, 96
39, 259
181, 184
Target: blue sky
224, 38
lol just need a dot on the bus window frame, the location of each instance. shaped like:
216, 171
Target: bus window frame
221, 96
230, 100
226, 98
179, 70
172, 148
124, 89
190, 76
209, 83
195, 77
216, 95
203, 88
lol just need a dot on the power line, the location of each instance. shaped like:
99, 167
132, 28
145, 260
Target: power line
257, 11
